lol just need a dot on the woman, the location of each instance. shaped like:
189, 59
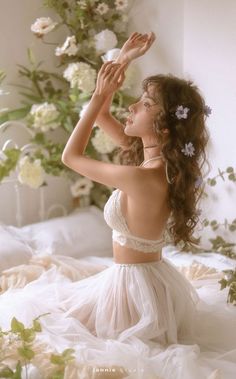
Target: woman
140, 315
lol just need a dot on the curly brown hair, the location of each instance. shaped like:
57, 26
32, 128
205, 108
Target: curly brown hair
185, 172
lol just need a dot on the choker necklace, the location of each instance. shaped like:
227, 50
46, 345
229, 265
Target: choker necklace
151, 159
147, 147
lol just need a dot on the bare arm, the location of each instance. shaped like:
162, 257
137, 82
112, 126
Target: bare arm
135, 46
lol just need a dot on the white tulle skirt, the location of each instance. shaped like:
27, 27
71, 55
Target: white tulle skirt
141, 321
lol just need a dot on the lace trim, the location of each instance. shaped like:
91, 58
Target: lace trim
136, 244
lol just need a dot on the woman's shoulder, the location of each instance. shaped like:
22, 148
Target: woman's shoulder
151, 184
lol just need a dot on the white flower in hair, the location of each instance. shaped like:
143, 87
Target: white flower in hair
181, 112
188, 149
207, 110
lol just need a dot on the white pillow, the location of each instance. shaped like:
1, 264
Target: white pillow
14, 250
80, 234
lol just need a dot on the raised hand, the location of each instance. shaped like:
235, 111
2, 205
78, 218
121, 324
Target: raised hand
136, 46
110, 78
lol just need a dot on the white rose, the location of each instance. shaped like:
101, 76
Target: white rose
69, 47
31, 173
102, 142
81, 187
43, 116
111, 55
81, 75
105, 40
43, 25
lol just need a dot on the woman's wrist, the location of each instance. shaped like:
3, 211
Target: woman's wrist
101, 97
122, 59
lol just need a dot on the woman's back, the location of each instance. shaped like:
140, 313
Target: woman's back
139, 221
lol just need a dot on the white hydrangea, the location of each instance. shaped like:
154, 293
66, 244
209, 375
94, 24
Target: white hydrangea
121, 5
43, 116
31, 173
81, 187
69, 47
105, 40
42, 26
102, 142
131, 72
81, 75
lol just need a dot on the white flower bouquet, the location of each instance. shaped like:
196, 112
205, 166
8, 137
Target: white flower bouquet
96, 30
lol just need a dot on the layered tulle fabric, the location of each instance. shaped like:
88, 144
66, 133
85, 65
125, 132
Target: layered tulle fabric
144, 320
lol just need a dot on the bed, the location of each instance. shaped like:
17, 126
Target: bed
78, 243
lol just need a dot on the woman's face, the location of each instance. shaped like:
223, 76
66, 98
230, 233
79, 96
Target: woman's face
142, 115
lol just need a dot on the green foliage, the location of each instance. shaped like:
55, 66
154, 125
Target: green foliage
12, 156
229, 281
223, 247
229, 173
83, 22
25, 352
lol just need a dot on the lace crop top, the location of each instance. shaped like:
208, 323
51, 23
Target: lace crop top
120, 231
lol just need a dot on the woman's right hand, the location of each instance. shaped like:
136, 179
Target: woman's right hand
136, 46
110, 78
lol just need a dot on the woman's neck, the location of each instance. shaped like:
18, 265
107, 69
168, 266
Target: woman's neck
151, 151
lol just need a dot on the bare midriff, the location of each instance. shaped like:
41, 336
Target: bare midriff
123, 254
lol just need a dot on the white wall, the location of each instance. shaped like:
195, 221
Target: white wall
210, 60
165, 19
16, 18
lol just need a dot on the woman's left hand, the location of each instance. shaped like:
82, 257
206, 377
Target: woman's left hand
110, 78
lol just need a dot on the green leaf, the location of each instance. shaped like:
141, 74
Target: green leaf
28, 335
16, 326
37, 326
211, 182
17, 374
67, 354
58, 375
232, 177
31, 56
35, 99
57, 359
26, 352
6, 372
19, 113
68, 125
223, 283
2, 75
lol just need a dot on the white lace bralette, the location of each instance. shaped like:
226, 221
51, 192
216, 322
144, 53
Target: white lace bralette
121, 233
